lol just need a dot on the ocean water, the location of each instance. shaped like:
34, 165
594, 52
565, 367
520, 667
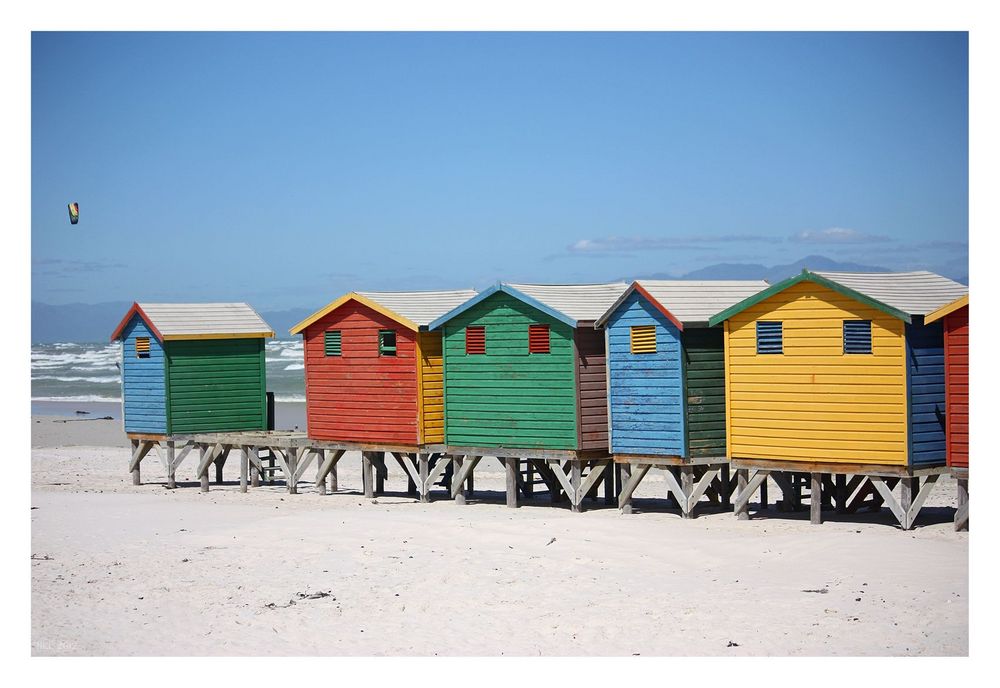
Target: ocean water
86, 373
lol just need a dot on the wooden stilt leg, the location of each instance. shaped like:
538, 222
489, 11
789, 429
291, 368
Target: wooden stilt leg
320, 458
672, 502
962, 512
244, 469
470, 485
742, 479
135, 471
460, 492
424, 471
841, 497
334, 483
575, 471
367, 478
411, 487
909, 489
171, 469
624, 473
816, 499
529, 481
254, 471
219, 463
513, 466
687, 486
763, 495
203, 477
293, 467
555, 489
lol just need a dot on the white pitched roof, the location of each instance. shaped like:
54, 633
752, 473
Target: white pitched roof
189, 319
420, 307
915, 293
582, 302
695, 301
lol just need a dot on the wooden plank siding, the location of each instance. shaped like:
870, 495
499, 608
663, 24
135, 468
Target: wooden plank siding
592, 389
361, 396
508, 397
956, 356
926, 388
814, 402
646, 390
431, 388
144, 391
216, 385
705, 391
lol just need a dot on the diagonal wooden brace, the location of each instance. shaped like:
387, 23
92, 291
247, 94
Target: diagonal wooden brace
210, 456
700, 487
744, 495
918, 503
458, 480
564, 481
305, 460
439, 467
890, 499
324, 470
592, 478
641, 469
405, 462
180, 456
140, 452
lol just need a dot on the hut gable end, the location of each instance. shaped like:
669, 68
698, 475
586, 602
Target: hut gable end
143, 380
813, 402
509, 397
359, 395
645, 389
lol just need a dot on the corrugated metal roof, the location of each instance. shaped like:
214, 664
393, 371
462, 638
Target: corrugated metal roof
186, 319
915, 293
421, 307
695, 301
582, 302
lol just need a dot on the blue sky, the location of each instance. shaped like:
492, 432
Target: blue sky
285, 169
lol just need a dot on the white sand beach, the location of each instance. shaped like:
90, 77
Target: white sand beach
119, 569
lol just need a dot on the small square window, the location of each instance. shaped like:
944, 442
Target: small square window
331, 343
475, 340
857, 336
538, 339
643, 339
769, 338
387, 342
142, 347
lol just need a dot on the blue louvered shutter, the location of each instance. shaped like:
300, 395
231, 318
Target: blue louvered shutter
857, 336
768, 337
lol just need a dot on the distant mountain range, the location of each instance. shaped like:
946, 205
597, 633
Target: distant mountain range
82, 322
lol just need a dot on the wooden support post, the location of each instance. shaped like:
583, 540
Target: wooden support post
908, 492
675, 473
625, 472
219, 463
244, 467
255, 467
529, 481
816, 499
555, 489
293, 469
470, 485
424, 469
457, 463
171, 468
334, 483
742, 509
367, 477
513, 466
763, 496
575, 472
687, 487
962, 512
202, 474
320, 478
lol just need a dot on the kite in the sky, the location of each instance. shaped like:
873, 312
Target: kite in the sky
74, 213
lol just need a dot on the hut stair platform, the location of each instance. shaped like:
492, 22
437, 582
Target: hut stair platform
688, 480
841, 486
568, 475
961, 476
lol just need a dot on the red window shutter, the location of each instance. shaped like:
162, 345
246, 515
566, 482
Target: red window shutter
538, 339
475, 340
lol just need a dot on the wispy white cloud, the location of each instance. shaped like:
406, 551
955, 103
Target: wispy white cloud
837, 235
58, 267
624, 244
